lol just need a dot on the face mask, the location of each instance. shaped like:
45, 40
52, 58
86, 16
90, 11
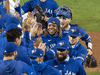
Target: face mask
1, 6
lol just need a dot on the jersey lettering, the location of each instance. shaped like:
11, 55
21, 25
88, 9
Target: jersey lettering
48, 11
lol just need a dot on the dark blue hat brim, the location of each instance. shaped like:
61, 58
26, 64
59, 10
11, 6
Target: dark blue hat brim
61, 48
74, 35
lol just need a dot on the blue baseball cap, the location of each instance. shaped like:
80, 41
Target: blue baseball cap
63, 44
5, 17
11, 26
10, 47
12, 20
75, 31
2, 0
36, 53
64, 11
1, 24
3, 11
54, 21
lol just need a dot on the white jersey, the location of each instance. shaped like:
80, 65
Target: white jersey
12, 9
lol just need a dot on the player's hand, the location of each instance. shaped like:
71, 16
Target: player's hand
38, 41
26, 27
34, 30
16, 5
89, 52
31, 20
39, 30
30, 15
16, 15
42, 46
46, 18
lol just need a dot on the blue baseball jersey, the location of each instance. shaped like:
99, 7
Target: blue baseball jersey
3, 11
68, 67
42, 68
22, 54
84, 36
26, 42
13, 67
49, 6
78, 52
51, 41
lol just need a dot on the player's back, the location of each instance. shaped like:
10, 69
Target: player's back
10, 67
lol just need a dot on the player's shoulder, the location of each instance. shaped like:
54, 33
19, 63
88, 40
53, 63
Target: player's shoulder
54, 2
51, 62
52, 71
74, 25
77, 64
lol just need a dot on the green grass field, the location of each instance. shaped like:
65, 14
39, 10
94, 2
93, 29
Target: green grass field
86, 13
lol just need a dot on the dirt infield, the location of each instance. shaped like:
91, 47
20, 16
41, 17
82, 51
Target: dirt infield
96, 49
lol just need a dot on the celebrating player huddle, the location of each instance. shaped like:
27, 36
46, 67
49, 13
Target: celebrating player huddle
42, 42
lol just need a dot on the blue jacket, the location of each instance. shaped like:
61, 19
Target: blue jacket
78, 52
51, 41
13, 67
42, 68
68, 67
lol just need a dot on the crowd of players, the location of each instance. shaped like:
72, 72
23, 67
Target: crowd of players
45, 44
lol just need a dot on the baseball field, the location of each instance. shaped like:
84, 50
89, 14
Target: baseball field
86, 13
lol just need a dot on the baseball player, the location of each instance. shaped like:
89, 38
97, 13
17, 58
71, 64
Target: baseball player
65, 64
48, 6
52, 34
9, 66
74, 37
39, 65
13, 34
65, 15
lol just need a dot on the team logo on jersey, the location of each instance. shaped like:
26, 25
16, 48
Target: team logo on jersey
61, 44
82, 55
56, 66
73, 30
49, 40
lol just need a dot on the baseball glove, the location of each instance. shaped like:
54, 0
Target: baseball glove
90, 61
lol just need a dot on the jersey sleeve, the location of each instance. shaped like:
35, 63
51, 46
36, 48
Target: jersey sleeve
26, 7
88, 41
51, 54
55, 6
81, 70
